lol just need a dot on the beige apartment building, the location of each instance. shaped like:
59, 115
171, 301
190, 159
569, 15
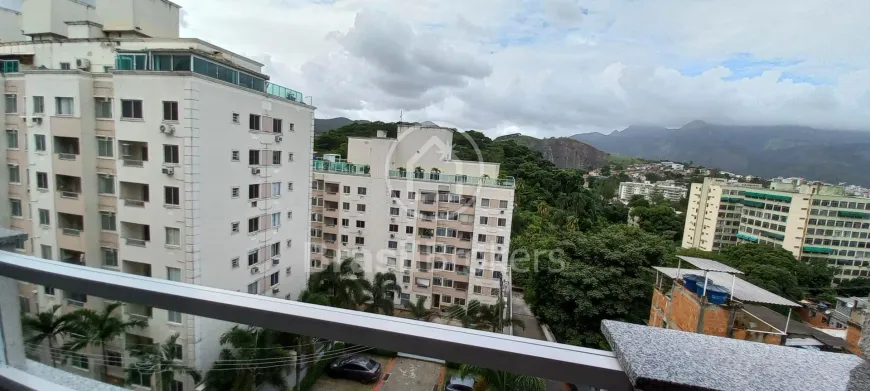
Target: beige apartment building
811, 220
405, 206
130, 149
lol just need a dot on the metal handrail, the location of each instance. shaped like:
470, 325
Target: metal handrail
548, 360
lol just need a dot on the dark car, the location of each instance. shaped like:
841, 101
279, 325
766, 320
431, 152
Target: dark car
358, 368
457, 383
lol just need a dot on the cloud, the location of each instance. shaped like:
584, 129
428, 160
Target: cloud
558, 67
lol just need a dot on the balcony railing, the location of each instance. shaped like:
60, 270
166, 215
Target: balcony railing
69, 194
449, 178
135, 242
134, 203
132, 163
139, 316
497, 351
71, 232
340, 166
67, 156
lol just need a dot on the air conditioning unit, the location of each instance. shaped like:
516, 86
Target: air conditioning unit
164, 128
168, 170
392, 236
359, 232
255, 270
498, 248
276, 260
394, 202
278, 139
255, 171
37, 120
275, 290
502, 212
170, 129
83, 63
407, 272
405, 286
391, 269
393, 219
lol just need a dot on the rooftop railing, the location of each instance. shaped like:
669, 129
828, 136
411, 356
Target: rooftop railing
340, 167
451, 178
547, 360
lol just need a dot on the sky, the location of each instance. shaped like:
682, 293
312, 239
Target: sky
558, 67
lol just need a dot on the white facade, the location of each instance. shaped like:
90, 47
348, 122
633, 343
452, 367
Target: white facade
172, 174
646, 189
445, 233
10, 25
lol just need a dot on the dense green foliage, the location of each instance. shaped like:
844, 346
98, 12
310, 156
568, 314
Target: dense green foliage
251, 358
859, 287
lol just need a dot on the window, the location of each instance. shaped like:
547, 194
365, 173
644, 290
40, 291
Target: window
44, 217
39, 142
234, 227
107, 221
170, 154
234, 156
396, 194
289, 156
394, 211
289, 186
131, 109
273, 279
252, 288
234, 192
109, 256
173, 317
11, 139
253, 257
171, 195
65, 66
276, 219
412, 195
477, 289
38, 105
45, 251
173, 237
276, 157
481, 238
253, 191
502, 222
394, 228
410, 213
484, 220
478, 272
78, 361
105, 184
170, 111
103, 108
484, 202
253, 224
360, 224
11, 103
15, 205
360, 208
235, 118
503, 204
344, 238
345, 222
346, 189
105, 147
277, 125
409, 230
361, 190
360, 240
392, 244
234, 263
42, 181
254, 122
254, 157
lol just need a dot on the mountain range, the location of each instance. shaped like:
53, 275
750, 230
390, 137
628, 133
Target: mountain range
564, 152
769, 151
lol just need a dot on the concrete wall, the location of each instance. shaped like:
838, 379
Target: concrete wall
153, 18
50, 16
10, 26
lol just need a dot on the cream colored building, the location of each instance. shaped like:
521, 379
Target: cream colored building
668, 189
812, 221
131, 149
443, 229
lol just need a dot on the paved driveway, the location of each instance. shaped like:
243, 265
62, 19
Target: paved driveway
532, 330
326, 383
409, 374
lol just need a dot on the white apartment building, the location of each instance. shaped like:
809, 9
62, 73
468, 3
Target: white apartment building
405, 206
667, 189
131, 149
811, 220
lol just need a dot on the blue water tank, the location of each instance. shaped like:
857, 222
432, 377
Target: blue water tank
717, 294
690, 281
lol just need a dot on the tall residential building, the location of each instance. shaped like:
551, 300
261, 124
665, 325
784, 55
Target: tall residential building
811, 220
667, 189
131, 149
403, 205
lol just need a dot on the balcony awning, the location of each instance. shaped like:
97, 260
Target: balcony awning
709, 265
743, 290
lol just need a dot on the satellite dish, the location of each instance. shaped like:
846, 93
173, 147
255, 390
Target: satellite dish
828, 312
850, 305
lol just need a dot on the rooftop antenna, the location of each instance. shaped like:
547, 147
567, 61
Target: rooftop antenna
401, 115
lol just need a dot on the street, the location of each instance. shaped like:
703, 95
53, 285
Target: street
532, 330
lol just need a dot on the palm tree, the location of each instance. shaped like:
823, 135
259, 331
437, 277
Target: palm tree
378, 298
47, 326
419, 310
340, 283
159, 360
402, 171
418, 172
492, 318
502, 381
435, 173
91, 328
251, 360
467, 315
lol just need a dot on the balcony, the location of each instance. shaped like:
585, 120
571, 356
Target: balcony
659, 359
70, 229
66, 126
134, 154
135, 240
340, 166
135, 197
508, 182
68, 198
66, 156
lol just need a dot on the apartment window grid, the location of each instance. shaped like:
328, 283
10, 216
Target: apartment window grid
103, 108
131, 109
38, 105
12, 138
11, 103
39, 142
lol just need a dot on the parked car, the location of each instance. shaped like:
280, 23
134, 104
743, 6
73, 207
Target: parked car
457, 383
359, 368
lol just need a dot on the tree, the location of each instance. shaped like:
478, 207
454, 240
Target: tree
638, 200
855, 287
92, 328
466, 315
252, 359
47, 326
419, 310
340, 283
418, 172
659, 219
492, 318
159, 360
596, 276
380, 292
502, 381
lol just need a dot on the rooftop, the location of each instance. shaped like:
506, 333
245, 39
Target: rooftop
795, 327
743, 290
709, 265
